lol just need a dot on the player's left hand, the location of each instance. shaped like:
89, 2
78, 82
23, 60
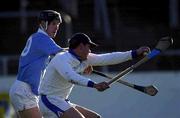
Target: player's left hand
143, 51
101, 86
88, 70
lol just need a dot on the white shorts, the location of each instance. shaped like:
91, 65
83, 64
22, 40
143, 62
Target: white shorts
53, 106
22, 97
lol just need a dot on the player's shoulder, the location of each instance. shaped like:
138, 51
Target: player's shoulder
39, 36
59, 58
62, 55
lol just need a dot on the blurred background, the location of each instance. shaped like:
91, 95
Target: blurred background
116, 25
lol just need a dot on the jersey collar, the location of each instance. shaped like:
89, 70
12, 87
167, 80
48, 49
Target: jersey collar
43, 32
75, 55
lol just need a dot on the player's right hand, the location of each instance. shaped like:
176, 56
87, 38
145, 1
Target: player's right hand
143, 51
88, 70
101, 86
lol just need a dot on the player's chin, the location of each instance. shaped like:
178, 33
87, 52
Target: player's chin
53, 35
84, 58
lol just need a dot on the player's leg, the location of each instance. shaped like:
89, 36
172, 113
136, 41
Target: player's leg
24, 101
87, 112
55, 107
72, 113
30, 113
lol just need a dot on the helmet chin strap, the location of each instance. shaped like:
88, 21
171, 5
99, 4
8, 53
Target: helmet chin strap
45, 27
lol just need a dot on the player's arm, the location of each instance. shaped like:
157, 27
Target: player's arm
67, 72
47, 46
115, 57
108, 58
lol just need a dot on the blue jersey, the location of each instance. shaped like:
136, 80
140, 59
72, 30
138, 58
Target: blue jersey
34, 58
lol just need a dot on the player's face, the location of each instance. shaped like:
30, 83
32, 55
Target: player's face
53, 28
85, 50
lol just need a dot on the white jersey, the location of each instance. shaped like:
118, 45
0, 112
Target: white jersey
63, 71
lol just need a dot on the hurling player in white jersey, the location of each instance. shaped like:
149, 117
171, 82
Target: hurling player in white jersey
32, 62
63, 72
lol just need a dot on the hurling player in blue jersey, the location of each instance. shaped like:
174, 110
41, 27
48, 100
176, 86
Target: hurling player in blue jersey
32, 62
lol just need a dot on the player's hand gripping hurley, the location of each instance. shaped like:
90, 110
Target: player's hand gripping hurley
162, 45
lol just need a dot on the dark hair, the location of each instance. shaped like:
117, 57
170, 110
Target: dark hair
49, 15
78, 38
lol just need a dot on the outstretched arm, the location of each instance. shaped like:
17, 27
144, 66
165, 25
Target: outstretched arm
115, 57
